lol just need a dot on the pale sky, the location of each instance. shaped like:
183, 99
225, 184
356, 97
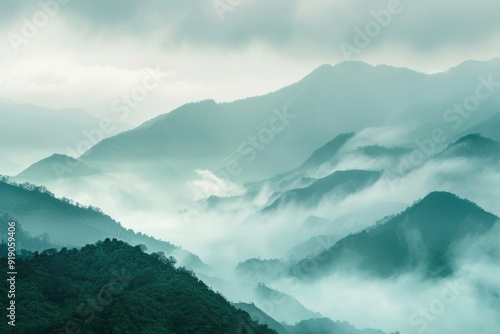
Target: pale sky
88, 53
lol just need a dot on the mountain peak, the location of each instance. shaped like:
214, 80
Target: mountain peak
323, 68
472, 145
474, 66
54, 167
58, 156
443, 201
353, 64
422, 237
440, 196
447, 209
472, 137
326, 71
192, 109
320, 73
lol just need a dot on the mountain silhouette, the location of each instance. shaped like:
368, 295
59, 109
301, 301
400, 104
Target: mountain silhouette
54, 167
68, 224
257, 131
340, 183
422, 237
472, 146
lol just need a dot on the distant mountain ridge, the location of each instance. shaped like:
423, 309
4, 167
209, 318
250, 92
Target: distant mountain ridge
420, 238
261, 317
472, 146
340, 183
328, 151
36, 132
488, 128
54, 167
40, 213
308, 110
288, 309
310, 326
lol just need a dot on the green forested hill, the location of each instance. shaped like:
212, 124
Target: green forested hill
112, 287
422, 237
68, 224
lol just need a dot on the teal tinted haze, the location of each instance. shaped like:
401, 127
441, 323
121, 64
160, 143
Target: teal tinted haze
327, 167
86, 54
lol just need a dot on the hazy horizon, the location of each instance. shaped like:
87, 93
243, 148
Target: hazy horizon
325, 167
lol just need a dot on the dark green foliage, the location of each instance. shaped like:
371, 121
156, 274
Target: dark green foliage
112, 287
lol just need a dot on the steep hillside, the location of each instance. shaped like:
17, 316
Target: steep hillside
34, 132
24, 240
259, 130
112, 287
488, 128
54, 167
420, 238
40, 213
472, 146
281, 306
261, 317
328, 151
341, 183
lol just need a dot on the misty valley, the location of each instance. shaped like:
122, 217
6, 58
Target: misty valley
350, 202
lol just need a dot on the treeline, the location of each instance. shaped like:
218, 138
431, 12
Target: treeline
44, 190
112, 287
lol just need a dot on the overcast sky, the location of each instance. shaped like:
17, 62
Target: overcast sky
88, 53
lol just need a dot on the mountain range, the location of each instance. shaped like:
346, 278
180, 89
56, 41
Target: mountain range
35, 132
302, 175
255, 136
423, 237
69, 224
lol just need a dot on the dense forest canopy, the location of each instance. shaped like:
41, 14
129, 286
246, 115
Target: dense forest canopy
112, 287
